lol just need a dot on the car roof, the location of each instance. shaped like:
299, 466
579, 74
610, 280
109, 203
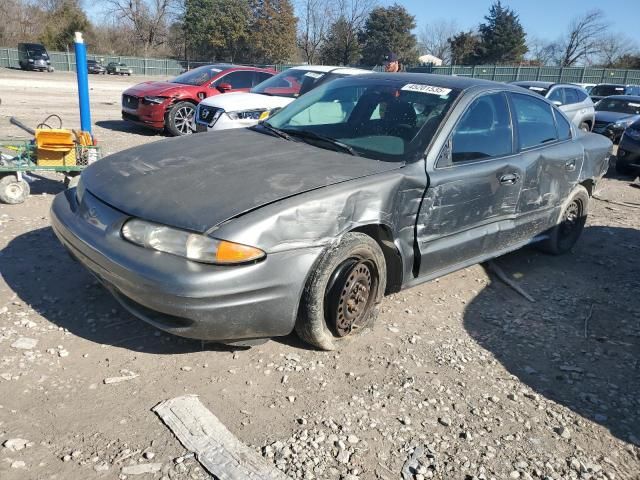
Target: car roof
331, 68
616, 85
540, 83
629, 98
446, 81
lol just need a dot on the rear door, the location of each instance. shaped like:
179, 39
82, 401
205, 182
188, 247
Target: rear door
554, 160
473, 188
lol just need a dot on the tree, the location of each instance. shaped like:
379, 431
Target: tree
147, 19
64, 18
433, 39
466, 48
614, 47
541, 52
630, 61
341, 46
216, 29
583, 39
273, 30
389, 30
313, 27
502, 36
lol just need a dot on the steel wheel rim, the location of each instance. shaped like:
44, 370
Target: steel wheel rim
350, 295
14, 191
571, 223
183, 118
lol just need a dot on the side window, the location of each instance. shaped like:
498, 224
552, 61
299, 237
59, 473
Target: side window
571, 96
484, 131
237, 80
557, 96
261, 77
534, 119
582, 95
564, 128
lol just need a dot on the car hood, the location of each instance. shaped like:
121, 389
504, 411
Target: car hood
198, 181
232, 102
153, 88
610, 117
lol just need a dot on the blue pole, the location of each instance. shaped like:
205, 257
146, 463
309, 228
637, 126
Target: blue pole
83, 83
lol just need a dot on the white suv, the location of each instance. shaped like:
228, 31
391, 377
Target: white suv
237, 110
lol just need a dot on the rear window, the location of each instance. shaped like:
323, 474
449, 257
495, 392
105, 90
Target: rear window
607, 90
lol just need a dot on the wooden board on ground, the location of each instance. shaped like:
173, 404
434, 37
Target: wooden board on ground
216, 448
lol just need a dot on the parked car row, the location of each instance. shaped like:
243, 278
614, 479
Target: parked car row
345, 186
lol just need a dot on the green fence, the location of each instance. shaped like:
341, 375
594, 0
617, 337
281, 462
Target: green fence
66, 62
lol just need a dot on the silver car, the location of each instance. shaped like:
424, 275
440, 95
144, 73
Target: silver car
571, 99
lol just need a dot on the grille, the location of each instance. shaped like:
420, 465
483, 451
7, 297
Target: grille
208, 114
129, 101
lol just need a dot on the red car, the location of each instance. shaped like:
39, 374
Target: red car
170, 105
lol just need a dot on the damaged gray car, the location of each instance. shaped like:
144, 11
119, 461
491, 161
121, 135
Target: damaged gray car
360, 188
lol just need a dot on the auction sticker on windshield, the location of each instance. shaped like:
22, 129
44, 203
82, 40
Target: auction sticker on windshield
313, 75
430, 89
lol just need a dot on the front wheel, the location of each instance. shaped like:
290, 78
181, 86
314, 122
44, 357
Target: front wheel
179, 119
12, 190
584, 126
570, 225
341, 297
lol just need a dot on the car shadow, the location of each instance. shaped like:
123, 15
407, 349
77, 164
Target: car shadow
39, 184
39, 270
128, 127
579, 344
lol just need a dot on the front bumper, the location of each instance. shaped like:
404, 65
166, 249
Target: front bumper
148, 115
207, 302
628, 152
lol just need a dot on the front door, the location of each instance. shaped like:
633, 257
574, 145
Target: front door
473, 191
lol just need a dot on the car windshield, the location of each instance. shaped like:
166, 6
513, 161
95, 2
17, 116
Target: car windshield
197, 76
37, 51
384, 119
618, 105
290, 83
607, 90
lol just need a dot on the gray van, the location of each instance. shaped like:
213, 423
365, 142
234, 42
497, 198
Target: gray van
33, 56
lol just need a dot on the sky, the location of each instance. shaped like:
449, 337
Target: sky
545, 19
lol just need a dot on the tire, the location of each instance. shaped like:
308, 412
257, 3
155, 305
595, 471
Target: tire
178, 120
351, 272
584, 126
623, 169
570, 225
12, 190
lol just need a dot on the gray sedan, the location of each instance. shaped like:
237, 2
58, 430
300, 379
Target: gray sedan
360, 188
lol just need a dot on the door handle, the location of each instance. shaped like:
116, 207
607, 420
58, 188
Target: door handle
509, 179
570, 166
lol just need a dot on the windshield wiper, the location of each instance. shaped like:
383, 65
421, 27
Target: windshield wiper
322, 138
275, 131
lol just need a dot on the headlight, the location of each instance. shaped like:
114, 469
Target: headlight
196, 247
633, 133
154, 100
31, 60
248, 114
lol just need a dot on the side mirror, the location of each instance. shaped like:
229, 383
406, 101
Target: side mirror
557, 103
224, 87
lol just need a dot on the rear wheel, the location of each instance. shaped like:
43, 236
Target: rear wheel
566, 233
341, 296
179, 119
12, 190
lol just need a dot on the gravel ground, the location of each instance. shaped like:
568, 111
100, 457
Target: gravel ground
462, 374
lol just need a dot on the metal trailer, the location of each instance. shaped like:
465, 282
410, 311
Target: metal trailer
20, 157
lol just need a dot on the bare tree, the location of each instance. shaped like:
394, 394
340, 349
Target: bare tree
314, 21
433, 39
148, 19
543, 52
584, 38
614, 47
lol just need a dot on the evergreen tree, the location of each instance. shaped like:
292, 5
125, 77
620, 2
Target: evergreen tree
66, 18
466, 49
503, 38
389, 30
273, 31
341, 46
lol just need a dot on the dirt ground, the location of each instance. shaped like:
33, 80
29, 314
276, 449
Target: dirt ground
490, 385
